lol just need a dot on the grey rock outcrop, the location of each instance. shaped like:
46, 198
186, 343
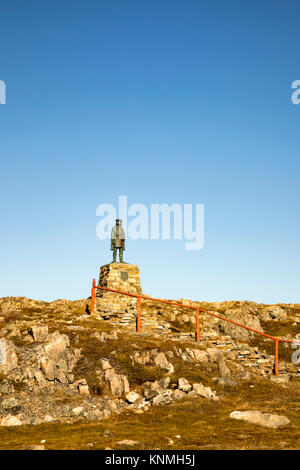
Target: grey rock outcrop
268, 420
118, 383
8, 356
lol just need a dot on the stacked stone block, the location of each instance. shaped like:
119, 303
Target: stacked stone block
122, 277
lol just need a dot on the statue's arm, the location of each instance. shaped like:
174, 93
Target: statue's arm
122, 234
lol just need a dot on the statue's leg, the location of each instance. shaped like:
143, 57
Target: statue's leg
114, 255
121, 255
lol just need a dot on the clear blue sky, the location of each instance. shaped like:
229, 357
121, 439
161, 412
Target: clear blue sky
162, 101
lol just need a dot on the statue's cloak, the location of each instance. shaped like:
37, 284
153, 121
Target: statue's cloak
117, 237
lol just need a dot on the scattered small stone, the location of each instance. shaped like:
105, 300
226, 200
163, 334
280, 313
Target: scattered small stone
163, 399
150, 393
36, 421
77, 411
10, 420
105, 364
35, 447
10, 404
204, 392
132, 397
184, 385
93, 415
192, 394
178, 394
128, 442
48, 419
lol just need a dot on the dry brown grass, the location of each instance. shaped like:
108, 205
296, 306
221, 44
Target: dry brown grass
280, 329
202, 424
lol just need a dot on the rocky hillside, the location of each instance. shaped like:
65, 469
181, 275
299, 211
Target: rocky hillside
60, 366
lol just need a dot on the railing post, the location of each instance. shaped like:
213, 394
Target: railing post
197, 325
138, 317
93, 295
276, 356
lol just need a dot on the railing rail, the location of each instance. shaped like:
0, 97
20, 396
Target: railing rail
197, 309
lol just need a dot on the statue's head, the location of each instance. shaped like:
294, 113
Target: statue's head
118, 221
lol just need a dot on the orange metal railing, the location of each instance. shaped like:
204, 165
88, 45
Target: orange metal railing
197, 309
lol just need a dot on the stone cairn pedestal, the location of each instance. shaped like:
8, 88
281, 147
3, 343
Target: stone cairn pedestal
119, 276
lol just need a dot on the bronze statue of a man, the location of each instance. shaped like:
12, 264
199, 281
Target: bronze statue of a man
117, 240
